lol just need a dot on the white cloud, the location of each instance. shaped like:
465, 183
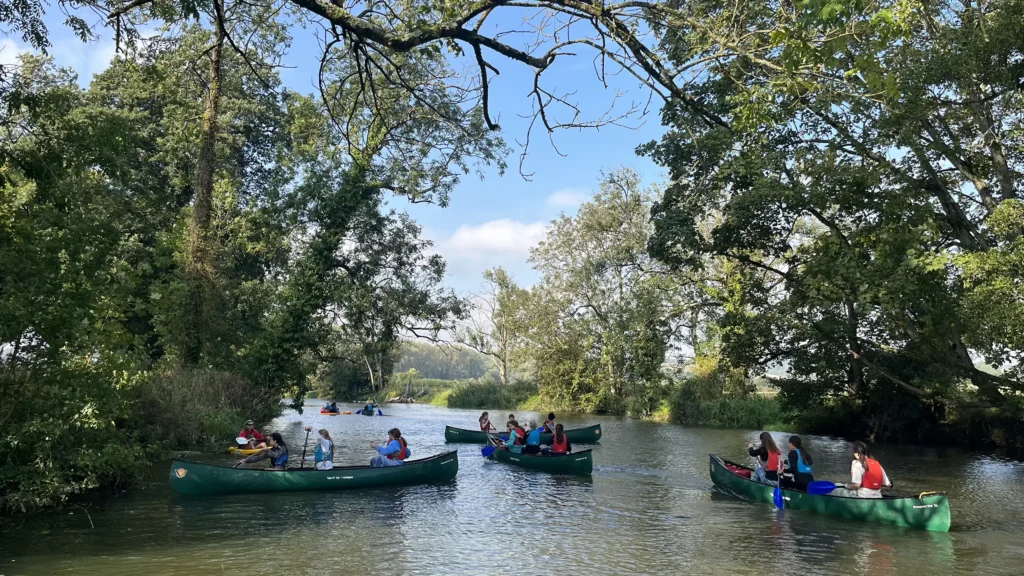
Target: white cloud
495, 238
473, 248
568, 198
85, 58
9, 50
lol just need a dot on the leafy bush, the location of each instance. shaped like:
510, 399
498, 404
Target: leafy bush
693, 404
489, 395
187, 408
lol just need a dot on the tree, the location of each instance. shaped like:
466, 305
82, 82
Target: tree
613, 309
860, 161
498, 328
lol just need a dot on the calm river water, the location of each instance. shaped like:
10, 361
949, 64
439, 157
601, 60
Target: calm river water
649, 509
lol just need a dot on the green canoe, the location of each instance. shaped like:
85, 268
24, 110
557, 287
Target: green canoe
577, 463
199, 479
927, 511
588, 435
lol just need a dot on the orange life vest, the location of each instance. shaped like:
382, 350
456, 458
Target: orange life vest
400, 455
873, 477
774, 463
560, 448
520, 436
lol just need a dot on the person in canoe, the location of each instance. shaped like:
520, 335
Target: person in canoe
324, 455
333, 408
511, 419
798, 472
369, 407
769, 459
516, 438
559, 443
485, 423
532, 439
393, 453
867, 477
277, 453
250, 433
549, 424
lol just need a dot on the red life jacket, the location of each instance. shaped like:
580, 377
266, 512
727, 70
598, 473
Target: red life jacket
774, 463
873, 477
520, 436
485, 426
560, 447
400, 455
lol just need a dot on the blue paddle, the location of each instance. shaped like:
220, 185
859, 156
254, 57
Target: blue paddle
777, 498
821, 487
487, 451
360, 411
379, 413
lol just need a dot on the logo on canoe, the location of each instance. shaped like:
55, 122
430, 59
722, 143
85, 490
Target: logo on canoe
597, 432
180, 472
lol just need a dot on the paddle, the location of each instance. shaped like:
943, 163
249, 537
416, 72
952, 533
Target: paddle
777, 498
486, 451
379, 413
242, 441
304, 442
820, 487
360, 411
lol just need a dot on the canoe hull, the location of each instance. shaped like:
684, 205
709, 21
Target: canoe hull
588, 435
326, 413
576, 464
199, 479
925, 512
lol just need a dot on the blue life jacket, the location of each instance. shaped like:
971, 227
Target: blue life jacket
533, 438
801, 467
320, 456
281, 462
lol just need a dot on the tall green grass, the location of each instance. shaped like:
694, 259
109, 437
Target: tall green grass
691, 405
488, 395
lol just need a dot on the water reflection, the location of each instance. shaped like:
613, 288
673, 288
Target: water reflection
650, 508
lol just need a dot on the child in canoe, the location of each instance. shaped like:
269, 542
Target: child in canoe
485, 423
277, 454
393, 453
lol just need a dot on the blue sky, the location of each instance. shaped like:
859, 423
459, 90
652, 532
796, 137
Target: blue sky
489, 222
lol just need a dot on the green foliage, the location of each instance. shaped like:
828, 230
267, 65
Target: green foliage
859, 164
487, 395
96, 193
441, 362
603, 313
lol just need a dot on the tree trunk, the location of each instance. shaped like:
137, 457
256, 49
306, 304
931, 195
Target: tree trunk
199, 262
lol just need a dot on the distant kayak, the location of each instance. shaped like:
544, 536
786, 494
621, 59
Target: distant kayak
243, 451
329, 413
199, 479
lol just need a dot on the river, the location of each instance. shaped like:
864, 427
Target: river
650, 508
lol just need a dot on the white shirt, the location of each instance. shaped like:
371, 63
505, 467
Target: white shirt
857, 476
325, 447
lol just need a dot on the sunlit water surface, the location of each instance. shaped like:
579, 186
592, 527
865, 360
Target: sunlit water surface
650, 508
